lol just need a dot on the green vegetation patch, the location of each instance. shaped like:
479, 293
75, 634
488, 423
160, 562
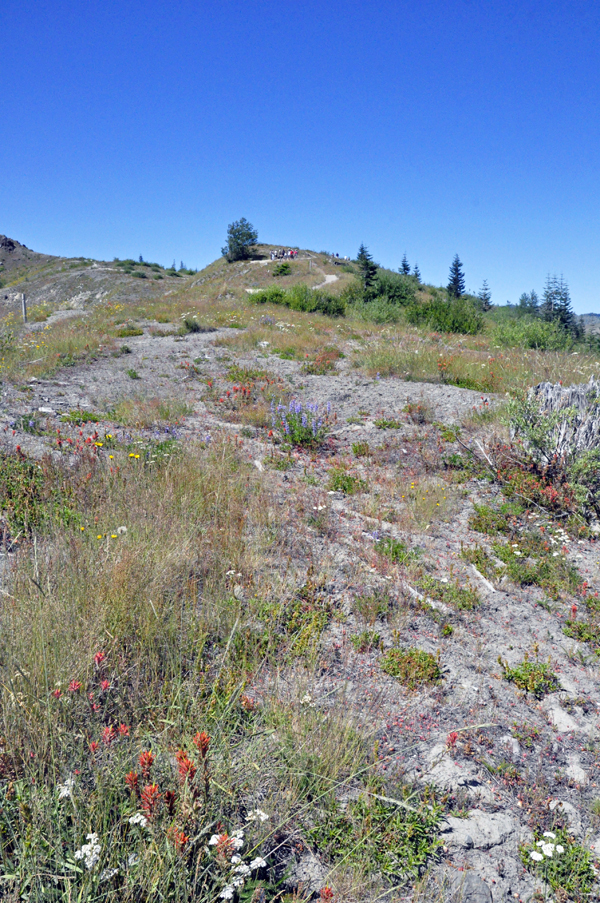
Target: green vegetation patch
412, 667
396, 551
583, 631
129, 331
301, 297
532, 561
385, 423
563, 863
340, 480
33, 495
536, 677
463, 597
396, 841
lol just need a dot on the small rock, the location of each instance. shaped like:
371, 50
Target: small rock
309, 872
571, 813
238, 592
575, 770
470, 888
482, 830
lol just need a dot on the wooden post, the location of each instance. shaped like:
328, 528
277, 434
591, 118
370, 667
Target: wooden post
24, 306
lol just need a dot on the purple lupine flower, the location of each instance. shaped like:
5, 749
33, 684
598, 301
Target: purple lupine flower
304, 421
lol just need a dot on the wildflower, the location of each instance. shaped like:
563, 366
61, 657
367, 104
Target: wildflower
90, 851
139, 819
75, 686
146, 762
107, 874
170, 801
258, 863
187, 769
227, 892
121, 530
123, 730
549, 834
325, 893
56, 693
104, 684
548, 850
202, 742
150, 799
257, 815
65, 790
451, 739
108, 735
179, 838
131, 780
537, 857
93, 746
559, 848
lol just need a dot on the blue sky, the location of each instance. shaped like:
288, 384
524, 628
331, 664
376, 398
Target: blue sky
431, 128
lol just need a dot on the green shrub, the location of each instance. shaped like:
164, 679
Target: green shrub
282, 269
526, 333
129, 331
533, 677
365, 641
412, 667
460, 315
133, 374
301, 297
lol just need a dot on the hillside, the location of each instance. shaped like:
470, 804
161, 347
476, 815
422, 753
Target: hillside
282, 574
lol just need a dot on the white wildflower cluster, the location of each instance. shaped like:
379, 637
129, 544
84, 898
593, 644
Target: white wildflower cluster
90, 851
138, 819
65, 790
227, 844
257, 815
307, 700
547, 848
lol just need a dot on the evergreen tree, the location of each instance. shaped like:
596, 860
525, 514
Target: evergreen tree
556, 306
405, 266
417, 273
141, 259
485, 296
529, 303
241, 236
456, 282
368, 269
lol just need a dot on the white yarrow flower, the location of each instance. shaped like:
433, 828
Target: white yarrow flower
213, 840
235, 859
243, 870
138, 819
227, 892
65, 790
548, 850
90, 851
559, 848
549, 834
258, 863
257, 815
536, 856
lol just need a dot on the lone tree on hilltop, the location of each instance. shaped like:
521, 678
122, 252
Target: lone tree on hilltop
368, 269
405, 266
485, 296
456, 283
241, 236
417, 273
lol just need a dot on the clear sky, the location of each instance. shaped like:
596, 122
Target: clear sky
431, 128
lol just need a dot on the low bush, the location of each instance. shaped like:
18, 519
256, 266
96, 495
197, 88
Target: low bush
526, 333
535, 677
301, 297
459, 315
299, 424
412, 667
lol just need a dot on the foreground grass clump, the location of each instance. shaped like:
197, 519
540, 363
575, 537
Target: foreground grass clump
412, 667
451, 593
129, 720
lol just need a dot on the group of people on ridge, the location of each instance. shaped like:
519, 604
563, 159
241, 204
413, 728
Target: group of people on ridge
278, 255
